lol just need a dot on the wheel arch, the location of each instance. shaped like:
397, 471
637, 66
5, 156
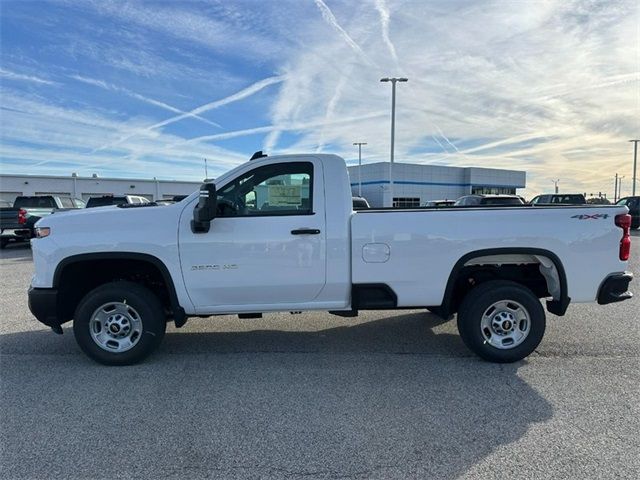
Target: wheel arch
178, 312
557, 306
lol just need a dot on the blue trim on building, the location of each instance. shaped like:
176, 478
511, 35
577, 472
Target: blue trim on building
439, 184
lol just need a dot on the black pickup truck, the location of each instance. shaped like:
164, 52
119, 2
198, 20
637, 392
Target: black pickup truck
17, 222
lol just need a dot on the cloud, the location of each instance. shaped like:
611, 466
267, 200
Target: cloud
108, 86
240, 95
547, 87
36, 131
330, 18
385, 16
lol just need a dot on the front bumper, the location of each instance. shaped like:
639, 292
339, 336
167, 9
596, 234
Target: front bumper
615, 288
43, 303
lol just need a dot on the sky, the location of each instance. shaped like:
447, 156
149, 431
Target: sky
151, 89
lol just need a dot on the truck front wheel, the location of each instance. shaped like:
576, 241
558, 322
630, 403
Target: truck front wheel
119, 323
501, 321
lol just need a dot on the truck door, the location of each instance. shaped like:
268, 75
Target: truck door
267, 244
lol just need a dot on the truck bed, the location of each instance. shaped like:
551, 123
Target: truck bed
402, 248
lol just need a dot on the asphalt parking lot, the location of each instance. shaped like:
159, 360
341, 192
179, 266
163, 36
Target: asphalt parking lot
385, 395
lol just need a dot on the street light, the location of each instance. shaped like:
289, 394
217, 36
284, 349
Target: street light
556, 182
359, 144
635, 163
393, 81
618, 188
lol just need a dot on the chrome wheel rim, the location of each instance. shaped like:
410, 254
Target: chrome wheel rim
505, 324
115, 327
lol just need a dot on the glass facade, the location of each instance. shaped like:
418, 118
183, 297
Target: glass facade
406, 202
480, 190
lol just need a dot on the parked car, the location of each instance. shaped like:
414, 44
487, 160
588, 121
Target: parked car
360, 203
559, 199
17, 222
440, 203
223, 251
107, 200
489, 200
633, 204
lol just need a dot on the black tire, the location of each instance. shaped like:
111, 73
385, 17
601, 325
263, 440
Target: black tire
479, 300
3, 243
146, 305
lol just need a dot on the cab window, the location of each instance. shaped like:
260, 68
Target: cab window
278, 189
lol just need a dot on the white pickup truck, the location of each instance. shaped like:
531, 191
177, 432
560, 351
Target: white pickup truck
280, 234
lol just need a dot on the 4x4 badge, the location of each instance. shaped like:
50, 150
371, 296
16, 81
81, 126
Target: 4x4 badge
591, 217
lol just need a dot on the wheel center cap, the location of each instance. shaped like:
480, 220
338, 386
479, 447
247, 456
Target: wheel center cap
115, 328
507, 324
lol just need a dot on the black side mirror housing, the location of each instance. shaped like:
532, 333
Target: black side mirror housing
205, 211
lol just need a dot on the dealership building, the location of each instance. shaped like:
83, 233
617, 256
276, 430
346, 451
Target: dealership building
414, 184
12, 186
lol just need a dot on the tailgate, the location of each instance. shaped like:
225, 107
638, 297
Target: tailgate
9, 218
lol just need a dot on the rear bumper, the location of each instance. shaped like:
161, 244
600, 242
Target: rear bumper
16, 233
43, 303
615, 288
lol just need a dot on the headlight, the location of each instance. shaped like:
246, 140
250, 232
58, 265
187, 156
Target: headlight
42, 232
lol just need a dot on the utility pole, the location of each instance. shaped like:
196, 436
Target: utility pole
359, 144
556, 182
393, 81
635, 164
206, 173
615, 190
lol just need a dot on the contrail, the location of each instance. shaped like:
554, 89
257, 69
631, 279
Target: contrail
28, 78
328, 15
271, 129
286, 126
383, 10
447, 140
331, 106
271, 140
439, 143
151, 101
242, 94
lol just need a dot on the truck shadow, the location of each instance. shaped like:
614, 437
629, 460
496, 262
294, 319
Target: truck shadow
403, 333
387, 398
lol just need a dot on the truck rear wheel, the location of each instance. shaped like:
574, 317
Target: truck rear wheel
119, 323
501, 321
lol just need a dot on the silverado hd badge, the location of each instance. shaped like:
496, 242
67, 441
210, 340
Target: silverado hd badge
232, 266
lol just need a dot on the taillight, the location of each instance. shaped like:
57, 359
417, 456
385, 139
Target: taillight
22, 216
624, 222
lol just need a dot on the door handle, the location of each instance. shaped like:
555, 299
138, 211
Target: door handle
305, 231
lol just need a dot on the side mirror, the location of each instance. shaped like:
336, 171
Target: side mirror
205, 211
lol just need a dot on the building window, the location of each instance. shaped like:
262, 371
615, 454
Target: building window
406, 202
493, 190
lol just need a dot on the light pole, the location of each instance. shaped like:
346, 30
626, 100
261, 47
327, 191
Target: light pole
393, 81
618, 188
359, 144
635, 164
556, 182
